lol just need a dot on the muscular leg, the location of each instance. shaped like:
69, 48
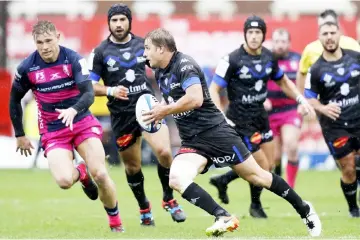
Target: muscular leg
348, 182
277, 155
92, 151
183, 171
290, 138
261, 158
160, 143
253, 173
131, 158
61, 167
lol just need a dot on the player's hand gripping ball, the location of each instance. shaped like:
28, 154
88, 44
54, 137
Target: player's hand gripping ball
144, 104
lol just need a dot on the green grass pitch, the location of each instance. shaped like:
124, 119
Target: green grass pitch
32, 206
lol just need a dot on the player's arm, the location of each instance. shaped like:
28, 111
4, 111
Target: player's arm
21, 85
96, 68
289, 88
220, 80
192, 99
87, 96
331, 110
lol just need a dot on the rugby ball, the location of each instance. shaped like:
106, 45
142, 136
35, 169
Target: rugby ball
145, 104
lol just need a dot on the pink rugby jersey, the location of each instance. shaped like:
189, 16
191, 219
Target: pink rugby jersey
280, 102
54, 85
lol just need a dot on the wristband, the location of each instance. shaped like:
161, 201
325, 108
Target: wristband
300, 99
110, 91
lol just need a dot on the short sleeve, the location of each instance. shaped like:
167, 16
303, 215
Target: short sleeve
277, 73
95, 65
79, 68
224, 71
312, 84
189, 74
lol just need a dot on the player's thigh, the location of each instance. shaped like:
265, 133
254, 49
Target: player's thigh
60, 161
160, 144
290, 135
251, 171
92, 151
131, 157
268, 150
261, 159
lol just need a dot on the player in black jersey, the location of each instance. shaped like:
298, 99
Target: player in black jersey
333, 87
245, 73
206, 137
119, 61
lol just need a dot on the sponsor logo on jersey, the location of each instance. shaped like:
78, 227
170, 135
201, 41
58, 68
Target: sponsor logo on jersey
340, 142
346, 102
124, 140
223, 159
256, 138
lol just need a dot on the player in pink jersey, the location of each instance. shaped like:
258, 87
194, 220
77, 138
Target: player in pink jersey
285, 122
58, 77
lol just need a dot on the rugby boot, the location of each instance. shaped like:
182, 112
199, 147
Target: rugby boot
222, 225
146, 218
256, 211
312, 221
175, 210
87, 183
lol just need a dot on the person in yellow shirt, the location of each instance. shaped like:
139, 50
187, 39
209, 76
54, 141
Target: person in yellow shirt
314, 49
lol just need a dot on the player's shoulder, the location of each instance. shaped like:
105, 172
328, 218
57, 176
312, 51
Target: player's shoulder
317, 65
185, 62
266, 51
294, 56
351, 53
70, 54
102, 46
137, 38
28, 63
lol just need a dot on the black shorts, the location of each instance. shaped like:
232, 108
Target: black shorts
255, 132
341, 142
126, 130
220, 145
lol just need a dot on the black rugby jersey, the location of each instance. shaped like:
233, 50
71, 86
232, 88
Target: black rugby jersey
181, 73
245, 76
337, 82
121, 64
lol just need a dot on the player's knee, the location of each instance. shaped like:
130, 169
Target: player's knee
100, 177
349, 173
132, 167
165, 156
179, 182
260, 178
291, 151
65, 182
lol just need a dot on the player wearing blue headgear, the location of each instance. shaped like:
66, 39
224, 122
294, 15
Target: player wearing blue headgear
119, 62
